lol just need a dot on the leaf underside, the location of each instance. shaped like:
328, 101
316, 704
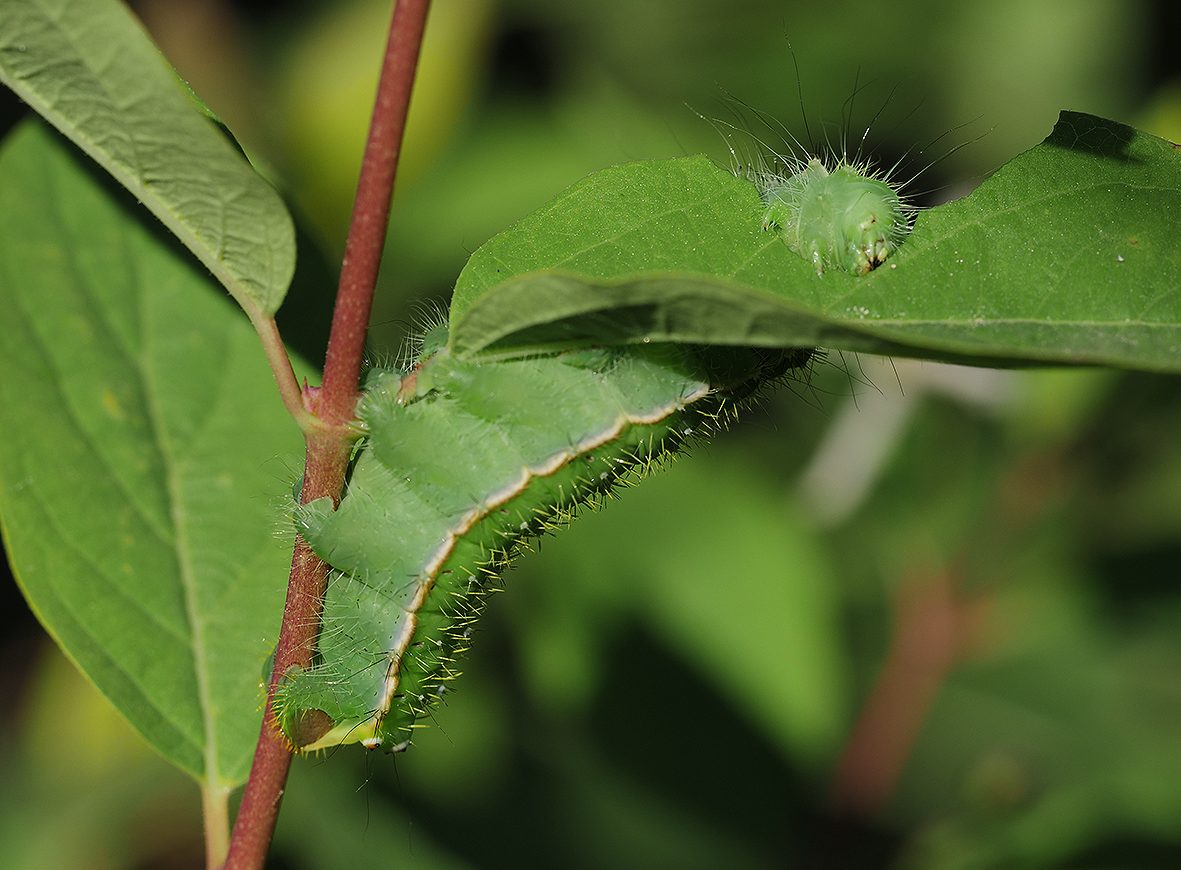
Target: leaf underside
92, 72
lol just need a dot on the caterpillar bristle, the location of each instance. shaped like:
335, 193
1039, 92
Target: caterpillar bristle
428, 318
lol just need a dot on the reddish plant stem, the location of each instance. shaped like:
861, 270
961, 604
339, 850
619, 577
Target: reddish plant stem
930, 631
371, 209
324, 467
328, 446
935, 624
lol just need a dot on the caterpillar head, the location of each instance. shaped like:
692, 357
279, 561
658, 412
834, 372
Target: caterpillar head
838, 218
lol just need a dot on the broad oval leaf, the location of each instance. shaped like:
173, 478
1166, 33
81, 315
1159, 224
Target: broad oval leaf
1067, 254
144, 460
92, 72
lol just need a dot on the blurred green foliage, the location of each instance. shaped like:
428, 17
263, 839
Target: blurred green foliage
675, 681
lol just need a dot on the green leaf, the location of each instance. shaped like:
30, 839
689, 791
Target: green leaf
1067, 254
92, 72
142, 462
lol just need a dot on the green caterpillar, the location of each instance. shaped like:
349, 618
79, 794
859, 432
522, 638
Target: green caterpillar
462, 463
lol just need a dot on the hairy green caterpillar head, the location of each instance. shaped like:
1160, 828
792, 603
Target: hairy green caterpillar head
830, 206
836, 218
